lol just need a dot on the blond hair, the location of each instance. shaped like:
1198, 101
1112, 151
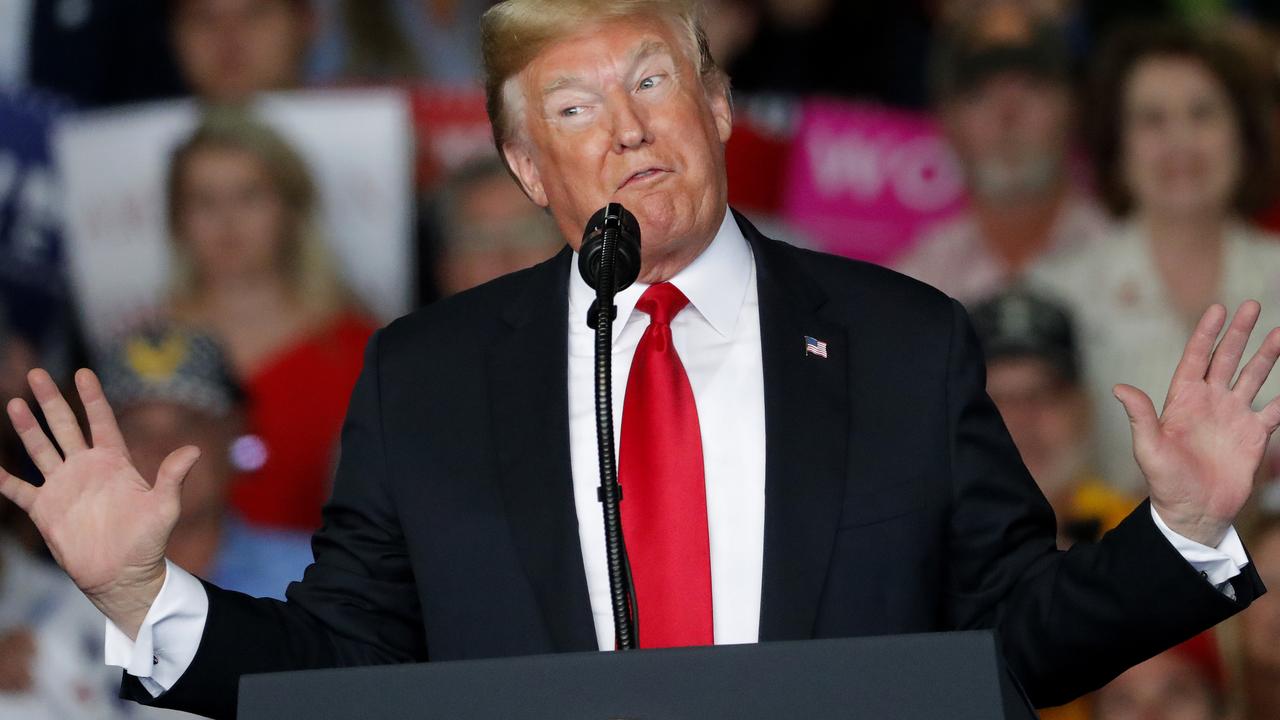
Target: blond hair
309, 269
514, 32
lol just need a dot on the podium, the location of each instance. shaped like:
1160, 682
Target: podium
956, 676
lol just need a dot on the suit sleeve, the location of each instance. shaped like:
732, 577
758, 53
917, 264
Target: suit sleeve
1069, 621
355, 605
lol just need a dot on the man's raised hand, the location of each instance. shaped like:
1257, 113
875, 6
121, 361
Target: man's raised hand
1201, 453
105, 524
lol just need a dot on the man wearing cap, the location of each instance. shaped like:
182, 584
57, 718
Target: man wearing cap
172, 386
805, 443
1033, 376
1000, 79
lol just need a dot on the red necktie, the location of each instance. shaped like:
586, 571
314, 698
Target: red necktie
664, 504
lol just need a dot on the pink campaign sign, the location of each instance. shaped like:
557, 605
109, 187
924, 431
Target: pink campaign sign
864, 180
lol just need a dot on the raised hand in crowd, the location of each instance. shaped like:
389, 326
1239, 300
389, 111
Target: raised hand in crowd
106, 525
1201, 453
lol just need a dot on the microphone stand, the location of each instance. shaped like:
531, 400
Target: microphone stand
601, 317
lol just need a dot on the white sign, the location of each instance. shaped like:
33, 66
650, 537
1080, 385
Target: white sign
113, 165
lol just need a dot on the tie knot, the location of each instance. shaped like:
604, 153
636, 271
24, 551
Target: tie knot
662, 302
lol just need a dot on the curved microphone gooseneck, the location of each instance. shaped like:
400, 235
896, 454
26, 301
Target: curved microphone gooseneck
609, 261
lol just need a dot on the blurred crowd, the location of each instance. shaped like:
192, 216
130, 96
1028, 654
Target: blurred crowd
1119, 160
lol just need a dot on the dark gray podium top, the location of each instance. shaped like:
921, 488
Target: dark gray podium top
956, 676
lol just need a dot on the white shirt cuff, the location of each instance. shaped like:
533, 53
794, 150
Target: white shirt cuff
1217, 565
169, 636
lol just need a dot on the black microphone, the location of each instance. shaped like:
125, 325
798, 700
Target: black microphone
609, 261
618, 222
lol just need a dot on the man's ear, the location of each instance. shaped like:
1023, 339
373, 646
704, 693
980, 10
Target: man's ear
722, 109
526, 172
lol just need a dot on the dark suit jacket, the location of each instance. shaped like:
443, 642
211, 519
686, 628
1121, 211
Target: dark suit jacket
895, 500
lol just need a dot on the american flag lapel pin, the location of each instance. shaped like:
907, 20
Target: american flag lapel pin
814, 346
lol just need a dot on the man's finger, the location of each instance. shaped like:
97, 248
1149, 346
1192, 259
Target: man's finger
1141, 412
102, 421
1226, 359
1259, 367
19, 491
175, 467
1271, 415
1195, 356
41, 450
62, 421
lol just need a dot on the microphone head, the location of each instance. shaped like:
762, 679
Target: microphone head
612, 217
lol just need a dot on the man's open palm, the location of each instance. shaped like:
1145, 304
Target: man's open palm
105, 524
1201, 454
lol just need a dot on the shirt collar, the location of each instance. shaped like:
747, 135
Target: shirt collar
715, 283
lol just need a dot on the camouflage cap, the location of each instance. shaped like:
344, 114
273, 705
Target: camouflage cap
170, 364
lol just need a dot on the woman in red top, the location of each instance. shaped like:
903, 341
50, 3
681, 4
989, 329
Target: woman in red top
250, 267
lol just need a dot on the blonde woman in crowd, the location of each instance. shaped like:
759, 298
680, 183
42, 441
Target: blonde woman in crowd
1184, 149
251, 268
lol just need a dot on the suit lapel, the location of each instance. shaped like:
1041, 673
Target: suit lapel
530, 406
806, 427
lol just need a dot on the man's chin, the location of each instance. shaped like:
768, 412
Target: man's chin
662, 258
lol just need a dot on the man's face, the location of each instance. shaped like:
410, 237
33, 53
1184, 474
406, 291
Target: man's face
619, 113
154, 429
1047, 417
1011, 131
231, 49
495, 230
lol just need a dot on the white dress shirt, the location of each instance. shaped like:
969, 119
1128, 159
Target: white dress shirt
718, 339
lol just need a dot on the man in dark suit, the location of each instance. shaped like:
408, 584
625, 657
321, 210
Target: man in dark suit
826, 420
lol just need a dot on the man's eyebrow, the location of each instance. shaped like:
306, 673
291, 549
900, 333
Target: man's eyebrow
643, 52
648, 49
561, 83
